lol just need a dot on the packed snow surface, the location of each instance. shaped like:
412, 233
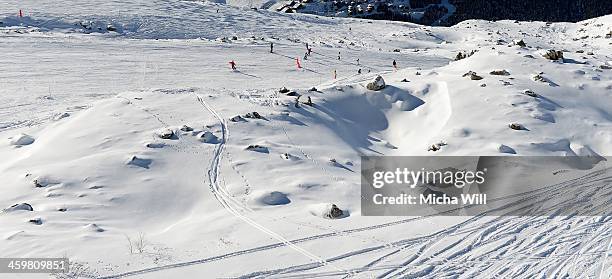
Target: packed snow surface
137, 149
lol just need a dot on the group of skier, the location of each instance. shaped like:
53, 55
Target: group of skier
306, 55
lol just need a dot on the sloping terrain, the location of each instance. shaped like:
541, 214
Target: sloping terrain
127, 145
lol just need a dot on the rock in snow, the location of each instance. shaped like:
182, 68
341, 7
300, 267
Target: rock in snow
553, 54
327, 211
472, 75
377, 84
165, 134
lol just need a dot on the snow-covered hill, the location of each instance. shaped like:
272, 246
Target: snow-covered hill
126, 143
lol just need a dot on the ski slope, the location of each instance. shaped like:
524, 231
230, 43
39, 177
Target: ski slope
100, 178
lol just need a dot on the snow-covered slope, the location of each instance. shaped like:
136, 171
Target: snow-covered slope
85, 113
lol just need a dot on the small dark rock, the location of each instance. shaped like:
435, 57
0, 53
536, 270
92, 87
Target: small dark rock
530, 93
472, 75
520, 43
334, 212
500, 73
186, 128
254, 114
516, 126
237, 118
283, 90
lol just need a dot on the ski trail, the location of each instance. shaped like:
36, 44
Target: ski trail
225, 199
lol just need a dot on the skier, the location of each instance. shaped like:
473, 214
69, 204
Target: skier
357, 61
309, 51
338, 55
335, 74
297, 63
306, 56
271, 47
233, 64
359, 71
307, 46
394, 64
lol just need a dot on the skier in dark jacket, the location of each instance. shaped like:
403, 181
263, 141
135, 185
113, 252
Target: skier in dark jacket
271, 47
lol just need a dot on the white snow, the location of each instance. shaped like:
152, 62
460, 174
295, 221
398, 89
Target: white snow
87, 108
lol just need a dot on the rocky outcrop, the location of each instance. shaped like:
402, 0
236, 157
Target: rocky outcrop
472, 75
553, 54
377, 84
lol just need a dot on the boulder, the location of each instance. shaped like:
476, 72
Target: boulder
436, 146
520, 43
516, 126
237, 118
333, 212
257, 148
254, 115
283, 90
111, 28
500, 73
377, 84
463, 55
530, 93
186, 128
553, 54
460, 56
472, 75
165, 134
539, 78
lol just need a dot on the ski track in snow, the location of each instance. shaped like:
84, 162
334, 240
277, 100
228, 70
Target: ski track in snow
186, 54
462, 260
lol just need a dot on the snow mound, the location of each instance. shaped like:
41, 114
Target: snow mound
21, 140
208, 137
19, 206
93, 228
263, 198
